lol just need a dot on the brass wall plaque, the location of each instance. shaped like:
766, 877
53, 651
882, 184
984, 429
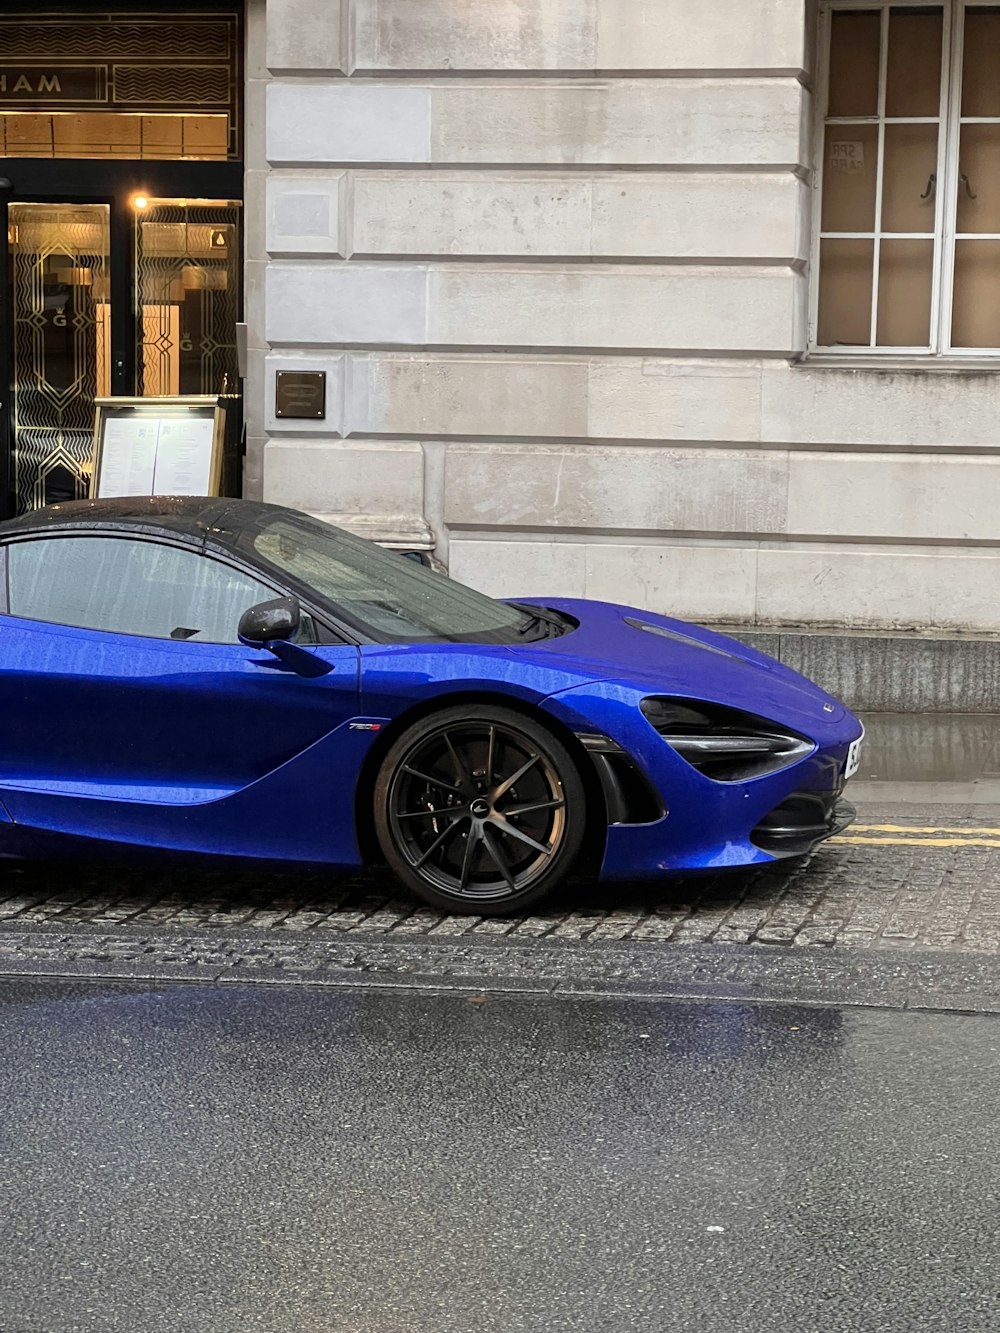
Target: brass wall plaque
300, 394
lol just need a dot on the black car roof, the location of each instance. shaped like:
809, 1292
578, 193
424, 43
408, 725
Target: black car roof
189, 516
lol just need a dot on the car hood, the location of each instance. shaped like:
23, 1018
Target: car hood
658, 654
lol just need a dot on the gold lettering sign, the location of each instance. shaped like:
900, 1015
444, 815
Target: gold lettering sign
37, 85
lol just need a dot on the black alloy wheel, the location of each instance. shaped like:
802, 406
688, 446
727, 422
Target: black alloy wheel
480, 811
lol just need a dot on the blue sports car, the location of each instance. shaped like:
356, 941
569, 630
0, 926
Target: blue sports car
235, 679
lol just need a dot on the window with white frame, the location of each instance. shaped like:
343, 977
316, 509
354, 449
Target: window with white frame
907, 256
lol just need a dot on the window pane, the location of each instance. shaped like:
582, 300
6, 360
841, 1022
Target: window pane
976, 314
979, 163
981, 69
129, 587
849, 177
913, 77
910, 164
904, 294
855, 40
845, 293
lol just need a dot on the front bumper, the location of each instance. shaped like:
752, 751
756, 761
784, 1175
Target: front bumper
735, 831
802, 822
708, 825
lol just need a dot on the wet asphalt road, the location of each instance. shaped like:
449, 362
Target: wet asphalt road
223, 1160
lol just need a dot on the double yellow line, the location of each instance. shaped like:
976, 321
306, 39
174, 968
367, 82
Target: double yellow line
914, 835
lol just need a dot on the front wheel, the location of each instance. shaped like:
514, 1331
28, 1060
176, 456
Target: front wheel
479, 810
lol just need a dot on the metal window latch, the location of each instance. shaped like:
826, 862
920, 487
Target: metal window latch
968, 186
931, 185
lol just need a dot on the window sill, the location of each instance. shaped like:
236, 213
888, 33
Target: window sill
908, 362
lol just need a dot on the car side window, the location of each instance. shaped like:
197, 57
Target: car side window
127, 586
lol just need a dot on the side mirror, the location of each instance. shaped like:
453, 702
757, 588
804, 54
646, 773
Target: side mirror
269, 622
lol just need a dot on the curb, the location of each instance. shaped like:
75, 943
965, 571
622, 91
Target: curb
839, 976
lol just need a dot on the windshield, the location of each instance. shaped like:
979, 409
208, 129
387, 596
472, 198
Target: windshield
393, 599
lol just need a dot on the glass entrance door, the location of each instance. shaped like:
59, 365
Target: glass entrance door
187, 295
160, 304
60, 279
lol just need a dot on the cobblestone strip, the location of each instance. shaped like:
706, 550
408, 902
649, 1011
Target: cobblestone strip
886, 897
743, 972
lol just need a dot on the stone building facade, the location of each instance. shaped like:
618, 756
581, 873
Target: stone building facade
559, 260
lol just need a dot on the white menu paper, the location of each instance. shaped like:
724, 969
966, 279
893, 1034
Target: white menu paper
184, 456
128, 461
147, 455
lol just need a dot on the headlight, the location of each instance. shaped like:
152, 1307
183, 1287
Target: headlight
723, 743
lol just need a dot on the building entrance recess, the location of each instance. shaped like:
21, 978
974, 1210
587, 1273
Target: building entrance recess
121, 201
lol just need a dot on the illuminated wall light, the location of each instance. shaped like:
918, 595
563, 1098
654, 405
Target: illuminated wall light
140, 201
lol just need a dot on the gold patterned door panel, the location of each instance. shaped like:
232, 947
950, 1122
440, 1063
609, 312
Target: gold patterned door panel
187, 282
59, 270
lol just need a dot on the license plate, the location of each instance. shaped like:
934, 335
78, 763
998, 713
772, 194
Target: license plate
854, 757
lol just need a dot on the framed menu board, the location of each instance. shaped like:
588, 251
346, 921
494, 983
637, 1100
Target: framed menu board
157, 446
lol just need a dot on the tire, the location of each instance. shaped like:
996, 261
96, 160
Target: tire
480, 810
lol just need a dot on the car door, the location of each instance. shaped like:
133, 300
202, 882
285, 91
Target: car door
122, 683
